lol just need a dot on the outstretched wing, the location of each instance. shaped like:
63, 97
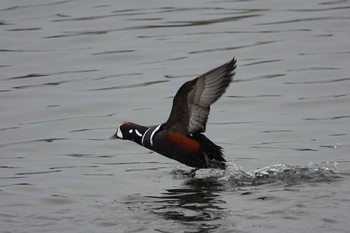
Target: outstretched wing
191, 104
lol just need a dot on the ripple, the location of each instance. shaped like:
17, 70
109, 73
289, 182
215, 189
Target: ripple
58, 200
37, 173
327, 118
325, 97
334, 2
10, 128
16, 184
305, 20
116, 51
320, 81
164, 60
12, 8
269, 76
79, 33
253, 96
49, 140
118, 75
25, 29
175, 24
36, 75
233, 48
41, 85
262, 62
320, 9
129, 86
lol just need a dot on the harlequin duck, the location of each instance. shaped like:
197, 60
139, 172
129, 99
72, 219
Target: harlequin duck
180, 137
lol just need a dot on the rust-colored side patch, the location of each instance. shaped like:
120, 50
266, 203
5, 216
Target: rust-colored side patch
185, 143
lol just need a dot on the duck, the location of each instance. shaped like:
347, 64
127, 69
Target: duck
181, 137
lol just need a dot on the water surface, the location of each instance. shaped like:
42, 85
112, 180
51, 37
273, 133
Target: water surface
72, 70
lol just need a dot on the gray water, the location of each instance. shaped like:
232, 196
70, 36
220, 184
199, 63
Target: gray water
71, 70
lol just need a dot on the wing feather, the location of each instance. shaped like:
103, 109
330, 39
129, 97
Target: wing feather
191, 104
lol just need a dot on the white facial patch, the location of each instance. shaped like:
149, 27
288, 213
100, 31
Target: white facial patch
119, 133
138, 133
131, 131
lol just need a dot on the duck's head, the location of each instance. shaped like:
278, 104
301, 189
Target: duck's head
130, 131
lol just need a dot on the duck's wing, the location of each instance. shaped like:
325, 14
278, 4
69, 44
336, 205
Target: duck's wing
191, 104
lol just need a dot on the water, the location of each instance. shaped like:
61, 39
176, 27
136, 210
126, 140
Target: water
72, 70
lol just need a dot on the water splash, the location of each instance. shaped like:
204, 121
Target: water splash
290, 175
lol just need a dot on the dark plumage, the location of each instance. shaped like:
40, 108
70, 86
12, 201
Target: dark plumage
180, 137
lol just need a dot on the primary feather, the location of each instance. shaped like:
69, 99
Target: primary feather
198, 94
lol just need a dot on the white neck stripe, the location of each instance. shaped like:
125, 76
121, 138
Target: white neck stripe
143, 137
148, 136
152, 135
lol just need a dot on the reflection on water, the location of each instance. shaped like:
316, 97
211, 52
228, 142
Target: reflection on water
199, 204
